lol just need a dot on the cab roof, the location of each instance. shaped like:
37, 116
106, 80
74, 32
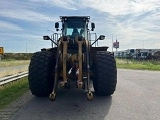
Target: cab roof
76, 17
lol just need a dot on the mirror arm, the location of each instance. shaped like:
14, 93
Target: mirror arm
95, 41
48, 38
54, 42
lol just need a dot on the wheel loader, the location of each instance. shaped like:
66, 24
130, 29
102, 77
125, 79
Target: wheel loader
74, 56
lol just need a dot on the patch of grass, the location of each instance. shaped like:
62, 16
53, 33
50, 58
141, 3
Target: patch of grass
12, 91
138, 64
9, 63
12, 70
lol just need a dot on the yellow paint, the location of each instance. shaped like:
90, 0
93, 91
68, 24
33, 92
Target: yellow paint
1, 50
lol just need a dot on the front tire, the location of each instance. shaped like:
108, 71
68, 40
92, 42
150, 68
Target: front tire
105, 79
41, 73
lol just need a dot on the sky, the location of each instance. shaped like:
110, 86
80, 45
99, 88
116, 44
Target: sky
134, 23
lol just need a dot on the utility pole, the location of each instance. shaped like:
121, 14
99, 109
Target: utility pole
26, 46
116, 42
112, 43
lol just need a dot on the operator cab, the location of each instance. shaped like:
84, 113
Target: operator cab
73, 26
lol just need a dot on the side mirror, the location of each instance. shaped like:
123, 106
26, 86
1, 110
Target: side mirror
92, 26
46, 38
57, 25
101, 37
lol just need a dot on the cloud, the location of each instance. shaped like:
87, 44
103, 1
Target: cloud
23, 36
65, 4
26, 15
5, 26
132, 22
122, 7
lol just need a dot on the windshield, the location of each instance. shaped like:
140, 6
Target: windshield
74, 27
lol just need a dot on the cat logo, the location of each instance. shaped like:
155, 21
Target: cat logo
1, 50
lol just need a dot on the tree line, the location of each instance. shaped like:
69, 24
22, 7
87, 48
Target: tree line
17, 56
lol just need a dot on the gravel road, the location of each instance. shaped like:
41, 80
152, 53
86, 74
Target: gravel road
137, 98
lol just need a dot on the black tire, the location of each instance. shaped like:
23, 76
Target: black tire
41, 73
105, 79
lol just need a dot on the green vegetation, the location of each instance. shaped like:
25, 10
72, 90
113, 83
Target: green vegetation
12, 91
138, 64
17, 56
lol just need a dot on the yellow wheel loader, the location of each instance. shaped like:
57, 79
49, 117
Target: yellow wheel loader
75, 57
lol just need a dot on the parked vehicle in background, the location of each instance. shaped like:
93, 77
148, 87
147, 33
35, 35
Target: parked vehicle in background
139, 54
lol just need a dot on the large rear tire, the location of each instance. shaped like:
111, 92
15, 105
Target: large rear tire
41, 73
105, 79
